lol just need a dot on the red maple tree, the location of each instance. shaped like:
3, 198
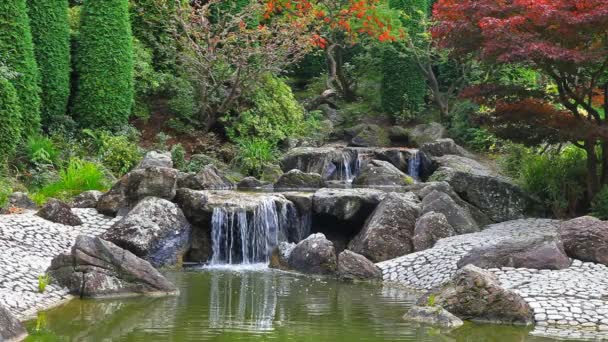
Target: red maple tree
564, 40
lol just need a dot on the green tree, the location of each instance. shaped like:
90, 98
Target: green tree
10, 118
104, 65
51, 36
403, 85
17, 51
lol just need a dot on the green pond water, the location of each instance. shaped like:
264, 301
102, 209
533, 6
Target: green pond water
255, 305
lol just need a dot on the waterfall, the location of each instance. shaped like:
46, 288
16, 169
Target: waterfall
413, 165
247, 235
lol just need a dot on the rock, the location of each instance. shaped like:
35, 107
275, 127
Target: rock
209, 178
382, 173
368, 135
541, 253
353, 266
388, 232
271, 173
140, 183
399, 135
156, 159
442, 147
155, 230
87, 199
56, 211
10, 327
424, 133
296, 179
329, 162
475, 294
586, 239
302, 200
198, 161
192, 202
432, 315
253, 183
458, 217
21, 200
462, 164
430, 228
279, 259
497, 197
97, 268
314, 255
346, 204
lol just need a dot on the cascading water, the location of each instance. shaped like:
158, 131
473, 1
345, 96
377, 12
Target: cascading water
413, 165
247, 235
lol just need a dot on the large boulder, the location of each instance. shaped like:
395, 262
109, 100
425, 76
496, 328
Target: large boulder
458, 217
332, 163
192, 203
495, 196
430, 228
97, 268
208, 178
250, 183
586, 239
540, 253
382, 173
346, 204
432, 315
388, 232
314, 255
442, 147
56, 211
87, 199
368, 135
475, 294
155, 230
156, 159
296, 179
20, 200
10, 327
427, 133
353, 266
279, 259
462, 164
140, 183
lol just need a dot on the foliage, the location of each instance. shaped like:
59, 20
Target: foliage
465, 129
255, 154
178, 155
599, 205
51, 36
403, 83
118, 153
147, 82
431, 300
10, 119
104, 64
77, 177
41, 150
43, 282
17, 51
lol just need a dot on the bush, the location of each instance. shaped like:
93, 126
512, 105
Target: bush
178, 155
147, 82
118, 153
104, 65
77, 177
10, 119
17, 51
51, 36
41, 150
465, 131
599, 205
254, 155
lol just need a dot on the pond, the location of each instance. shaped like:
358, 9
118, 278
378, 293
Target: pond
256, 304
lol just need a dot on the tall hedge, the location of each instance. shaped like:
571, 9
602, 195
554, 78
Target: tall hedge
403, 84
104, 65
17, 52
51, 35
10, 119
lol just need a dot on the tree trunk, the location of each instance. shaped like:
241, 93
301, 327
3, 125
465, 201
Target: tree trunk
347, 92
337, 80
593, 181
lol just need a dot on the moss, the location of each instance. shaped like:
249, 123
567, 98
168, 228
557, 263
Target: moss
51, 36
17, 52
104, 64
10, 119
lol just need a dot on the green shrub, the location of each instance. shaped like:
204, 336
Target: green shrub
77, 177
118, 153
466, 132
10, 119
41, 150
43, 282
599, 205
104, 65
17, 51
51, 36
147, 82
6, 190
254, 155
178, 155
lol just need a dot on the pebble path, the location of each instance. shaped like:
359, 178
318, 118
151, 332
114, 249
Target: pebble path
570, 303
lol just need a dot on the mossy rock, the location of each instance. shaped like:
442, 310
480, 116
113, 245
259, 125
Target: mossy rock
368, 135
271, 173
